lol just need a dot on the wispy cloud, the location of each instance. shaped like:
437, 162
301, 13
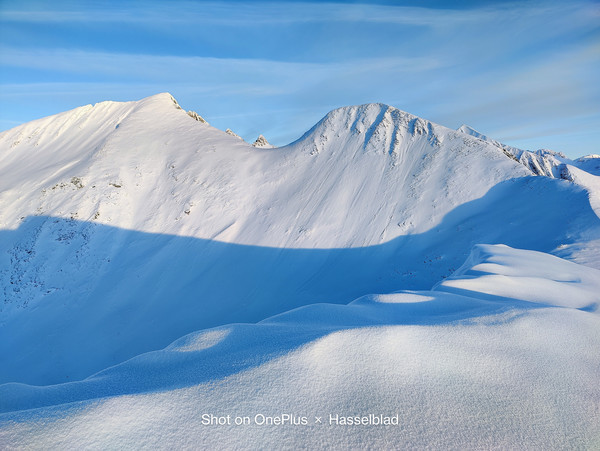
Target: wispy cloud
262, 76
560, 87
261, 13
243, 13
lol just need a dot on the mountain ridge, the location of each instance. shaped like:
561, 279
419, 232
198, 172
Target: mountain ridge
543, 162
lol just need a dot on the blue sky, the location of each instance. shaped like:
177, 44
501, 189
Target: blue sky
525, 73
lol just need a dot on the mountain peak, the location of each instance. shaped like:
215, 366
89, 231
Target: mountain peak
375, 127
163, 97
262, 142
371, 118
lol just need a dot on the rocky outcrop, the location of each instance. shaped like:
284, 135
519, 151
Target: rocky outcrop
262, 142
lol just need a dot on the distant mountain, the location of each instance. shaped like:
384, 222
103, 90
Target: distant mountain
124, 226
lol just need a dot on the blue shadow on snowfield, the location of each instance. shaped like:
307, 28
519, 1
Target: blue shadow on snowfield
80, 297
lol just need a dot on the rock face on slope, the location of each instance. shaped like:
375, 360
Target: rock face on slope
124, 226
197, 117
232, 133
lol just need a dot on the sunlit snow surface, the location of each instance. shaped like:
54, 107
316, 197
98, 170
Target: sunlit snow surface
481, 361
126, 227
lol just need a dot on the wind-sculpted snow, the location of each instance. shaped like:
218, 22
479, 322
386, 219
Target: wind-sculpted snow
589, 164
486, 367
585, 250
495, 272
583, 172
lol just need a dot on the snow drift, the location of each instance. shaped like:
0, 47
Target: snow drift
482, 367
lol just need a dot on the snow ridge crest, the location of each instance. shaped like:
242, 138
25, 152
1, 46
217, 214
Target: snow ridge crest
375, 127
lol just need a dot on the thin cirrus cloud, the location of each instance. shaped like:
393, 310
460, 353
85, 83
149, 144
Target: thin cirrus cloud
520, 71
250, 13
205, 69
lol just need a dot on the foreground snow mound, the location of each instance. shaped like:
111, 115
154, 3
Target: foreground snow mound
502, 272
488, 367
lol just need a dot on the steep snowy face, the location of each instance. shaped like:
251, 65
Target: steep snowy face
382, 173
376, 128
139, 165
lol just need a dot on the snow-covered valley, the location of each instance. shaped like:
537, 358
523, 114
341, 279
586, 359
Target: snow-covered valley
154, 269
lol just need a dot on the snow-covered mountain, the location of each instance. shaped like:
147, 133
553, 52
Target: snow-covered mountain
137, 224
146, 166
126, 226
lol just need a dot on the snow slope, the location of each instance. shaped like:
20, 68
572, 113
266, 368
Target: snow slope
584, 172
143, 165
128, 225
585, 250
503, 354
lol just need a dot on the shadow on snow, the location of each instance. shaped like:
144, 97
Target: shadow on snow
80, 296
